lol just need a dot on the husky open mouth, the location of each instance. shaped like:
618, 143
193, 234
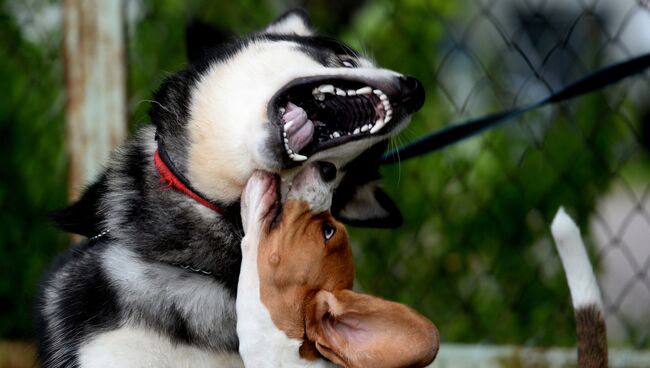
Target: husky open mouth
317, 113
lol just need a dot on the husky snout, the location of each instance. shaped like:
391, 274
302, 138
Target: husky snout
316, 113
314, 184
412, 94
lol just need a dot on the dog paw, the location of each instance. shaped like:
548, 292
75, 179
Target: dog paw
258, 200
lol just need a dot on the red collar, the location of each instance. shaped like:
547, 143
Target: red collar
178, 181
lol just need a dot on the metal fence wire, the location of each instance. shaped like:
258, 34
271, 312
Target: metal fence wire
497, 193
474, 253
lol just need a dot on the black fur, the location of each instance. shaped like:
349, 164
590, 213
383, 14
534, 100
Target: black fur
91, 303
162, 227
82, 217
154, 229
359, 173
200, 37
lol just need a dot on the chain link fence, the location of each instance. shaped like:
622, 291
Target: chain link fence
475, 253
481, 262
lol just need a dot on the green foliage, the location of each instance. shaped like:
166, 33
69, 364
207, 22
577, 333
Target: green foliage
32, 173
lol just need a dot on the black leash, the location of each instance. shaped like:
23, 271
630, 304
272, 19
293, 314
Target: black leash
457, 132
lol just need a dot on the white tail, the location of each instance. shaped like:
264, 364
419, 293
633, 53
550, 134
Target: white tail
585, 294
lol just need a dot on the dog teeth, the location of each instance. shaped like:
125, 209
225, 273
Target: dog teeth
298, 157
288, 125
319, 94
326, 88
378, 125
364, 91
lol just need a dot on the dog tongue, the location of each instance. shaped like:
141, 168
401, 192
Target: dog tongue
298, 127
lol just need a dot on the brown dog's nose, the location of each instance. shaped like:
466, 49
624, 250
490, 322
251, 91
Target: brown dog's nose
327, 170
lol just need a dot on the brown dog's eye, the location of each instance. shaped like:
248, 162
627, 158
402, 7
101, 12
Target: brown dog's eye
328, 230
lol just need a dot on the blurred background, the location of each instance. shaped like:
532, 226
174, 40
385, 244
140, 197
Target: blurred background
474, 253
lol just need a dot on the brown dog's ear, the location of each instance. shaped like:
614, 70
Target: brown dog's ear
359, 330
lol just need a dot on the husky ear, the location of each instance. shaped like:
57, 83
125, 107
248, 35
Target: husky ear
360, 330
293, 22
366, 205
82, 217
201, 36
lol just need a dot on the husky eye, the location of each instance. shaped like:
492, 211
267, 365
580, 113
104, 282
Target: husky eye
328, 230
348, 62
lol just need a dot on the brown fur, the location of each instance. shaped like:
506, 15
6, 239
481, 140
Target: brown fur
305, 284
592, 337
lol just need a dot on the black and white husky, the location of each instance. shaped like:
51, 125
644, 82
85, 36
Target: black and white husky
155, 283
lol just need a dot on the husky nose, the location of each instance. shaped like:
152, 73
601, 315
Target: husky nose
412, 93
327, 170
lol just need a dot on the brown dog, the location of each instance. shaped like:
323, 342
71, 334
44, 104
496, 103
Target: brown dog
295, 304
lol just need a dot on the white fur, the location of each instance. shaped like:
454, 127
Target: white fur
202, 301
291, 24
364, 205
228, 113
580, 275
308, 186
138, 347
261, 343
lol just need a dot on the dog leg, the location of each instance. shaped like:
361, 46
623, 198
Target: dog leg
254, 325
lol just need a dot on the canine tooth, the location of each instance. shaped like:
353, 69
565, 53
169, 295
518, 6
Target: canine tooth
336, 134
288, 125
282, 110
352, 92
387, 119
365, 128
364, 91
378, 125
298, 157
326, 88
340, 92
356, 131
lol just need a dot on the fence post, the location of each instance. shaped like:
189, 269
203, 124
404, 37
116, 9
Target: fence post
95, 77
